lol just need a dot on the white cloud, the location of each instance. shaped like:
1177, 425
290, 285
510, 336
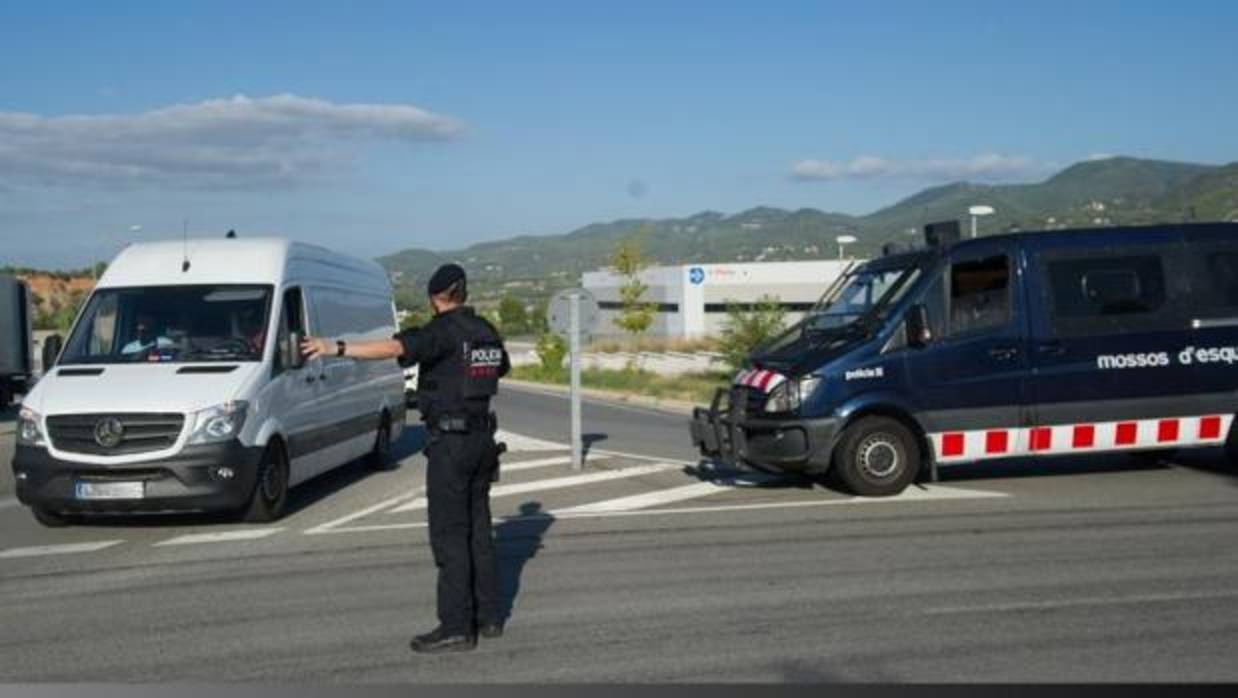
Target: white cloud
241, 142
988, 166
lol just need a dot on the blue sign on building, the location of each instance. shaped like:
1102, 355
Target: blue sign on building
696, 275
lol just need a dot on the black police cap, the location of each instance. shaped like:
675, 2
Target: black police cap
444, 277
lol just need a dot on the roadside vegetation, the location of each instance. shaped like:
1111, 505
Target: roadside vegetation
691, 387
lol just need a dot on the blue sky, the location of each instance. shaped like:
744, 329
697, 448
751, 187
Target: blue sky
374, 126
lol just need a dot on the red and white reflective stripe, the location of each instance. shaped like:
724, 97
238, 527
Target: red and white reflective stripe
760, 379
963, 446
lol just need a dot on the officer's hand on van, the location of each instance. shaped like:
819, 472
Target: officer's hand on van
314, 347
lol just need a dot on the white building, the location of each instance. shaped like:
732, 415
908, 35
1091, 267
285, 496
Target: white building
692, 299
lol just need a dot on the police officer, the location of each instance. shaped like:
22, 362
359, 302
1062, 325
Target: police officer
462, 358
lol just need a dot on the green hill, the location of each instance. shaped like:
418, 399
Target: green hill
1114, 191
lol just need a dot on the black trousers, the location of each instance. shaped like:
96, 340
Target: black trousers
458, 493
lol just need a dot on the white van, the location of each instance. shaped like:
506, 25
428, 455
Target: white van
182, 385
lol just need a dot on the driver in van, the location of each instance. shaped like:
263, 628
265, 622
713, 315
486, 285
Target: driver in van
146, 336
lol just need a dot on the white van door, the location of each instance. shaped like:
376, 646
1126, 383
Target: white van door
294, 391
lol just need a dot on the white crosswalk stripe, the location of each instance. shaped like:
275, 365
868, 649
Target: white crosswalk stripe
8, 502
63, 549
223, 537
556, 483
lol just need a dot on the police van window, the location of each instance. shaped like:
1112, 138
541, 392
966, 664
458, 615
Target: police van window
291, 320
1103, 293
1214, 280
979, 294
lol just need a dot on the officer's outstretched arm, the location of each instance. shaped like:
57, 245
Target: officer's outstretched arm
313, 347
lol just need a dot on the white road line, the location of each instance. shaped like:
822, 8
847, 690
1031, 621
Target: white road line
519, 442
223, 537
932, 493
541, 463
669, 496
63, 549
555, 483
7, 502
328, 526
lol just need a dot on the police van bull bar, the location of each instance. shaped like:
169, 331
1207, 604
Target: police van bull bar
717, 430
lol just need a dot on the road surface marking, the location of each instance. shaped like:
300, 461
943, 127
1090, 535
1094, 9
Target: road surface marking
224, 537
670, 496
555, 483
7, 502
539, 463
931, 493
518, 442
64, 549
1018, 606
328, 526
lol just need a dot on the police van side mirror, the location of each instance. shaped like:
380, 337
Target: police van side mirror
919, 332
292, 352
51, 349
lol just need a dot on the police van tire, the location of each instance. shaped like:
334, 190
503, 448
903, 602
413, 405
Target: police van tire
49, 518
877, 457
380, 457
270, 496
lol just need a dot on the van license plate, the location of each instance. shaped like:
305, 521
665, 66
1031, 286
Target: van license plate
110, 490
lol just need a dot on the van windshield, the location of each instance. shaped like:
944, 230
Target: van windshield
171, 324
862, 293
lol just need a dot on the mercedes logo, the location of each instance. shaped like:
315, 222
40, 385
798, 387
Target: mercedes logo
108, 432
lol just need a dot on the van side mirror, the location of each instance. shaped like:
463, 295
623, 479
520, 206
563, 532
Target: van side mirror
919, 331
292, 352
51, 349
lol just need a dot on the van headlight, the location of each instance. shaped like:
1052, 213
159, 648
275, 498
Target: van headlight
789, 394
29, 428
219, 423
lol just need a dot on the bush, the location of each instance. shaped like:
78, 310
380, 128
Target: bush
746, 330
551, 350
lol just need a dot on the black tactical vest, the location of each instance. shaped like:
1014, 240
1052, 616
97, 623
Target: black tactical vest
463, 381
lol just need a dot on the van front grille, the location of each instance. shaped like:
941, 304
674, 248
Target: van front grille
751, 400
139, 433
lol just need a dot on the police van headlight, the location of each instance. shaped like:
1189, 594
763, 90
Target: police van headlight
218, 423
790, 394
29, 428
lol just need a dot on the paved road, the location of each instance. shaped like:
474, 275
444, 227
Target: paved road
647, 567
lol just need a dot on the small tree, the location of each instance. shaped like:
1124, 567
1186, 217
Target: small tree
414, 317
628, 261
747, 329
551, 350
513, 318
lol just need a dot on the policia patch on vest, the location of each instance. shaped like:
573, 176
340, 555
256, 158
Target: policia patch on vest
482, 361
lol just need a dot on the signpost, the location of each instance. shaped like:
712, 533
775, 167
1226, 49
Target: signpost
572, 313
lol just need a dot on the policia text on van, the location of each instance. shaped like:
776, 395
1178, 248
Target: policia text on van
182, 385
1054, 343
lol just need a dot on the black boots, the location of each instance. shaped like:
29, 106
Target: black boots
437, 641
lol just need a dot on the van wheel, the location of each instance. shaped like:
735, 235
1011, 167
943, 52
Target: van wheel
877, 457
380, 457
50, 518
270, 495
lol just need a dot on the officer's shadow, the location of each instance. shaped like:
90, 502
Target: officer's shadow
517, 541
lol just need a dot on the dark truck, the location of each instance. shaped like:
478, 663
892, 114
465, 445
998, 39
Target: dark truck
16, 364
1067, 342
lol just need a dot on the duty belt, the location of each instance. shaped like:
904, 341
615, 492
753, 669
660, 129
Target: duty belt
466, 423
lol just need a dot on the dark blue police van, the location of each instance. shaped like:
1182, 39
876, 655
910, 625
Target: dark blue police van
1030, 344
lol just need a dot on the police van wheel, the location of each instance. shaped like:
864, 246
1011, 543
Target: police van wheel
380, 457
270, 495
877, 457
50, 518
